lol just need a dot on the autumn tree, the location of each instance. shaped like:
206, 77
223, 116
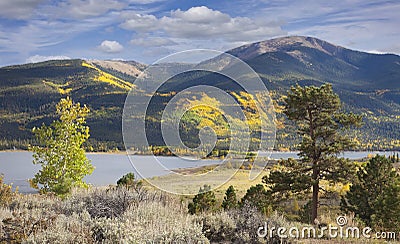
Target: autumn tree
60, 152
375, 196
320, 122
230, 201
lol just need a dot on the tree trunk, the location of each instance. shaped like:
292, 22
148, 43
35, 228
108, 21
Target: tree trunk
315, 191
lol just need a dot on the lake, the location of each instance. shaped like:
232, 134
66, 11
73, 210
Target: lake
17, 167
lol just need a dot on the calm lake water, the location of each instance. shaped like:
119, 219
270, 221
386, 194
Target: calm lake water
17, 167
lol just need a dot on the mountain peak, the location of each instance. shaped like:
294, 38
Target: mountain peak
289, 44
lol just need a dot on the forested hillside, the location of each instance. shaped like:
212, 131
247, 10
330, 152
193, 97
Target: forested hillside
368, 84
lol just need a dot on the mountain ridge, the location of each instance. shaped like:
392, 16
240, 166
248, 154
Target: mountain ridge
366, 83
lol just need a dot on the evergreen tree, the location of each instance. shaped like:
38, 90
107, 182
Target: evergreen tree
204, 201
316, 111
128, 180
60, 153
230, 200
258, 197
375, 196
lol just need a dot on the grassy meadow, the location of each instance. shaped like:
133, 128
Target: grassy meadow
137, 215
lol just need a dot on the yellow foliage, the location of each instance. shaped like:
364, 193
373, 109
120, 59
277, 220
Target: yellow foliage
204, 101
59, 87
206, 122
108, 78
64, 91
346, 188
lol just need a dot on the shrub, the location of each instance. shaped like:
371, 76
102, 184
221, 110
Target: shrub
108, 203
149, 222
248, 219
277, 220
218, 227
99, 215
66, 229
305, 213
25, 223
6, 193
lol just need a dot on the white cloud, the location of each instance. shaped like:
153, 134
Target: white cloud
140, 23
37, 34
145, 1
39, 58
110, 46
201, 15
202, 23
84, 9
25, 9
88, 8
43, 24
18, 9
153, 42
356, 24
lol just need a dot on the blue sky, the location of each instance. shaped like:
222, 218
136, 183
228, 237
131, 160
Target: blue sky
146, 30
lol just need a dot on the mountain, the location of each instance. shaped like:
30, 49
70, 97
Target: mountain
296, 59
29, 92
303, 58
366, 83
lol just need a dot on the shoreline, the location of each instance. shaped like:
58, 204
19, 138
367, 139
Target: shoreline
144, 154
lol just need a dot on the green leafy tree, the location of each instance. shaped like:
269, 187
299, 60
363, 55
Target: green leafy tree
316, 111
60, 151
375, 196
204, 201
230, 200
258, 197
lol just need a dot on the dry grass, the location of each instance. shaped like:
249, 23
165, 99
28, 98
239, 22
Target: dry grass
99, 215
122, 215
139, 215
227, 176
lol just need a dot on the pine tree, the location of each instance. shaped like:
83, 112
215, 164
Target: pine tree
204, 201
258, 197
61, 155
316, 111
230, 200
375, 196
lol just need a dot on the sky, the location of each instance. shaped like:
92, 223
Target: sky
147, 30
